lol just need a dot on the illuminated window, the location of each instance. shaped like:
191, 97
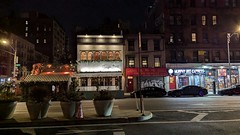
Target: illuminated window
96, 56
37, 41
45, 29
26, 22
26, 28
131, 62
44, 40
157, 62
83, 56
194, 37
89, 55
104, 56
110, 56
26, 34
37, 28
144, 61
204, 20
171, 38
117, 56
214, 20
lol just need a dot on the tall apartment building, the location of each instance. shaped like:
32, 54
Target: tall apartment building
45, 32
196, 40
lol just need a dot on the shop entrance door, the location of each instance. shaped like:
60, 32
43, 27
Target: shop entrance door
130, 85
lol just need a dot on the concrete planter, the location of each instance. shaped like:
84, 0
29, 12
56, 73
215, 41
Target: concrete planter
7, 109
69, 109
103, 107
37, 110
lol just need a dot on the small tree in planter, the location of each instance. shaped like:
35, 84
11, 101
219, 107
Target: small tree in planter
8, 100
70, 101
38, 101
103, 103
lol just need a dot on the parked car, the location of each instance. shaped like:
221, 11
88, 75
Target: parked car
150, 92
234, 90
188, 90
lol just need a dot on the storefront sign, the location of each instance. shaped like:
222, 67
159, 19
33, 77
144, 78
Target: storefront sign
188, 71
146, 72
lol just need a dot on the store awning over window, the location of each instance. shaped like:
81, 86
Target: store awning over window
47, 78
146, 72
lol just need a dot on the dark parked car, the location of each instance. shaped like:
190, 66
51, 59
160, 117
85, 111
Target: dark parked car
234, 90
188, 90
150, 92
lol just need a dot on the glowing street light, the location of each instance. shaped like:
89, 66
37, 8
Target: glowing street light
229, 35
6, 42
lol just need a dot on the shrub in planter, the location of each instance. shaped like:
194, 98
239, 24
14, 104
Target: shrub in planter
103, 103
8, 100
70, 101
38, 101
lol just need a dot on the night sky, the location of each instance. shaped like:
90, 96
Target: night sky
86, 13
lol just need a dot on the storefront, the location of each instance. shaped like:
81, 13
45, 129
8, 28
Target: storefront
212, 79
100, 75
146, 76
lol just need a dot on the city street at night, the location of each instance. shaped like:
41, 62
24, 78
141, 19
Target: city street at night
215, 115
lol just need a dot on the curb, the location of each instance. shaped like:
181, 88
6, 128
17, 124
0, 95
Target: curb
12, 123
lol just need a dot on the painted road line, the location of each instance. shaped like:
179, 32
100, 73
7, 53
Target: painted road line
199, 117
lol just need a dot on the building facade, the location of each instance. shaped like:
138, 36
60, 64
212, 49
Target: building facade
26, 56
144, 61
45, 32
203, 33
100, 63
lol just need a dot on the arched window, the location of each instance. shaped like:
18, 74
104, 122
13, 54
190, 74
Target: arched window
97, 56
104, 56
83, 56
110, 55
117, 55
89, 55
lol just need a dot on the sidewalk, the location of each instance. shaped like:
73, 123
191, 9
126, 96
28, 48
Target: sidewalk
55, 117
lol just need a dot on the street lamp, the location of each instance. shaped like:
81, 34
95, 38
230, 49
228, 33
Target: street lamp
229, 35
14, 54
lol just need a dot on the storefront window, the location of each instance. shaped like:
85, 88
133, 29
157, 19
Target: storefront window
84, 81
108, 81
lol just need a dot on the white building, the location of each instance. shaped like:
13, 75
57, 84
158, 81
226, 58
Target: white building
100, 63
